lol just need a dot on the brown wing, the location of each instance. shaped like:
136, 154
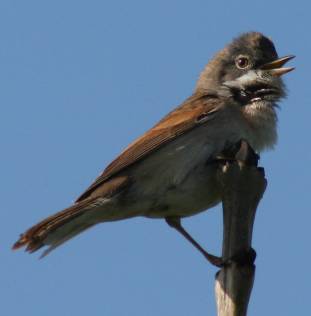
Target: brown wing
189, 115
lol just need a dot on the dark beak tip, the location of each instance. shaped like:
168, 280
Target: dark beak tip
290, 57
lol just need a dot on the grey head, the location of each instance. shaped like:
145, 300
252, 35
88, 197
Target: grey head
249, 69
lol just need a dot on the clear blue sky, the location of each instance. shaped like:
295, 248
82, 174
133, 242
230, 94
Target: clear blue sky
80, 80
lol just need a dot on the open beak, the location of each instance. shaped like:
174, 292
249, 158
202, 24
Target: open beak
275, 67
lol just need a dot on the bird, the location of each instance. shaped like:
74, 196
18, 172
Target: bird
169, 172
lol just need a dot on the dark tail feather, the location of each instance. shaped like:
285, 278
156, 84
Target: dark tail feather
58, 228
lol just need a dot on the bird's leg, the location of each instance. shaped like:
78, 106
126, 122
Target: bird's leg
176, 223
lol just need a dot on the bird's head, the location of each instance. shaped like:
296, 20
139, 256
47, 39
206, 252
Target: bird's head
249, 69
248, 72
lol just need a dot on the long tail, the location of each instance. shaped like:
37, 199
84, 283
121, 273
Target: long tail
56, 229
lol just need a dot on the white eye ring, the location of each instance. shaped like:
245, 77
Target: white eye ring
242, 62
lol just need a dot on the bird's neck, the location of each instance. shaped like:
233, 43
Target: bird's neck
262, 121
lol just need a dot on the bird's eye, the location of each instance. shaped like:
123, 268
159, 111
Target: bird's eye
242, 62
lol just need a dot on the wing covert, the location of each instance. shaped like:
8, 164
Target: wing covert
179, 121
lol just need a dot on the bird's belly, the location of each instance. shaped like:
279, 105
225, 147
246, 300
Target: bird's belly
175, 181
196, 193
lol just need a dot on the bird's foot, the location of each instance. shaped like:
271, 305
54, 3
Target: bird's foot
241, 258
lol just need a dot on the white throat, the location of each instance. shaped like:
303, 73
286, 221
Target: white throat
262, 121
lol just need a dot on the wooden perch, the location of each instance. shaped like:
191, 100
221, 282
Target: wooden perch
242, 185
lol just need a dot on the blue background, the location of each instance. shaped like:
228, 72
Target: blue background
79, 80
